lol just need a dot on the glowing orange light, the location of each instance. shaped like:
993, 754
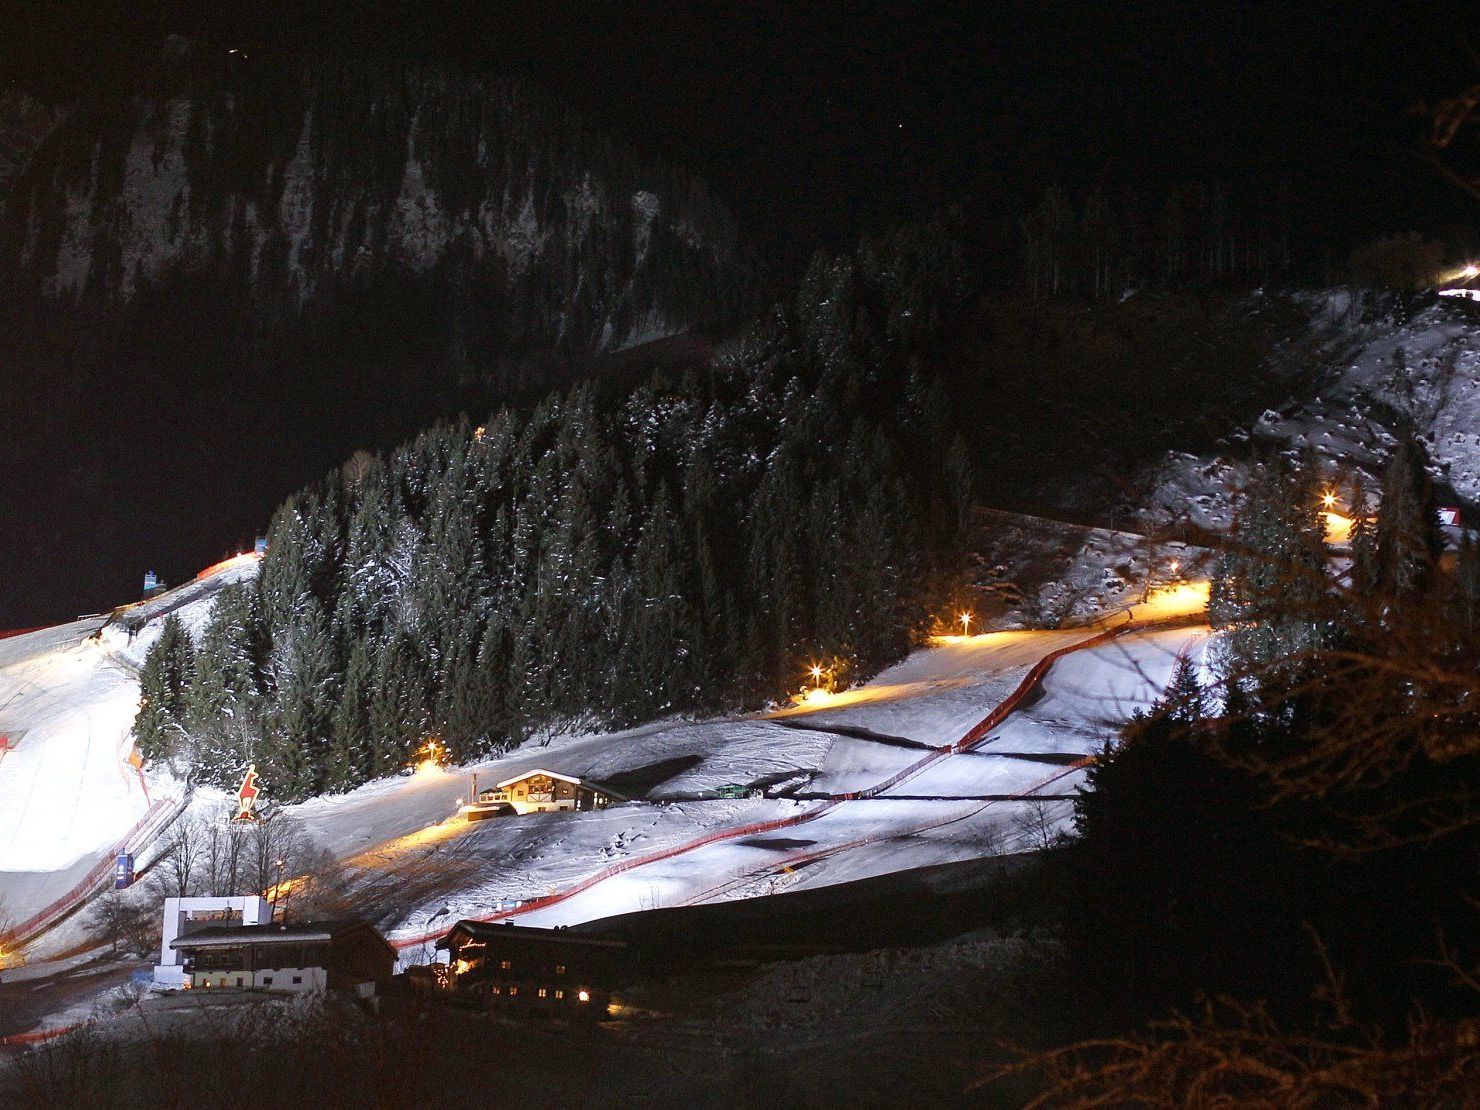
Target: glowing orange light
816, 671
965, 619
431, 756
1183, 599
584, 996
1338, 527
1328, 499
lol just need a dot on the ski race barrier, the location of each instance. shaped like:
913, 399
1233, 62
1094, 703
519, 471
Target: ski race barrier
37, 1036
972, 738
615, 869
811, 855
156, 817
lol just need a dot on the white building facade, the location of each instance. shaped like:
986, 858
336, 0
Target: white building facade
185, 915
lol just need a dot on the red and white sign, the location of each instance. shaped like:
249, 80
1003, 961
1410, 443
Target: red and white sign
1448, 516
246, 796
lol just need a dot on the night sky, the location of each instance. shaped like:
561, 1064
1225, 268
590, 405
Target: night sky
821, 122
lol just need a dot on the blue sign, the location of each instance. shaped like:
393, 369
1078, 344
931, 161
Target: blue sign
123, 871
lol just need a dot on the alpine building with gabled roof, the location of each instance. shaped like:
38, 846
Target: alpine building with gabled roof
538, 791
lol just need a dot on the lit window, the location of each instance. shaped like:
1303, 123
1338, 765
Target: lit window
559, 969
543, 992
559, 994
504, 965
513, 991
498, 990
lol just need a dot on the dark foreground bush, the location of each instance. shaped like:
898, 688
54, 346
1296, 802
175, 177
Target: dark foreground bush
305, 1052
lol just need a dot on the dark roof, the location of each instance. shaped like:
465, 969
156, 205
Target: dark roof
219, 935
491, 930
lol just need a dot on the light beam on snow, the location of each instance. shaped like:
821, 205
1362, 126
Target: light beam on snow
1179, 599
1338, 528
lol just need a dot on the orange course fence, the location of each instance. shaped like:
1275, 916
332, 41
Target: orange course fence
36, 1036
158, 815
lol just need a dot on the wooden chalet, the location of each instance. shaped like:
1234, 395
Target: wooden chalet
309, 956
539, 791
542, 972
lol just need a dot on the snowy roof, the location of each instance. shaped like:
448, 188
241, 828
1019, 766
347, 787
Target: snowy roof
538, 771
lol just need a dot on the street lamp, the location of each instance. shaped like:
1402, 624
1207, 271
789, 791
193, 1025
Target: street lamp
965, 619
277, 889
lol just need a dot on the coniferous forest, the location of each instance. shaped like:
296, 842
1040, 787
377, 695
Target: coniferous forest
614, 556
1273, 854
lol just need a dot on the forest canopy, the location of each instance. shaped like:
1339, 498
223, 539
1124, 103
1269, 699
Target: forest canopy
609, 558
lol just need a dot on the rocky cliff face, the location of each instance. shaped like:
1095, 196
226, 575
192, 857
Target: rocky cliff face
24, 123
221, 275
299, 183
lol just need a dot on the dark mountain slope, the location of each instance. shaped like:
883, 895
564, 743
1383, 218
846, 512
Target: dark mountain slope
219, 273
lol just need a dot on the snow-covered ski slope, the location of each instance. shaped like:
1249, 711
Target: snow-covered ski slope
1005, 794
70, 792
